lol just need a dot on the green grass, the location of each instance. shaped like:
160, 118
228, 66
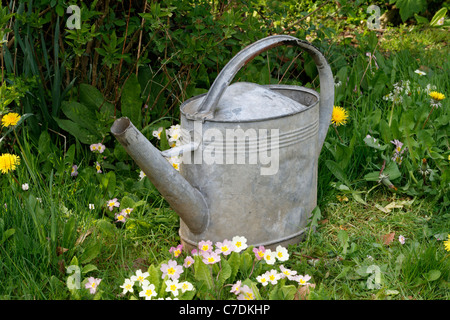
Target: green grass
41, 238
405, 267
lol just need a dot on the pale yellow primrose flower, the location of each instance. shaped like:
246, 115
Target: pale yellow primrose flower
127, 286
269, 256
282, 253
140, 276
148, 291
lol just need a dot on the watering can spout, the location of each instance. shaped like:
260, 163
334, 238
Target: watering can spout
184, 199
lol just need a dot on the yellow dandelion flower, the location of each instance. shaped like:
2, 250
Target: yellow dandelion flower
8, 162
447, 243
10, 119
437, 96
339, 116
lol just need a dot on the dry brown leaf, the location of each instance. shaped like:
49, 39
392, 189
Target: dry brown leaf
303, 292
388, 238
60, 250
83, 237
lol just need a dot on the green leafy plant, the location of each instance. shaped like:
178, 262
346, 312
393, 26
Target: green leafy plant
210, 273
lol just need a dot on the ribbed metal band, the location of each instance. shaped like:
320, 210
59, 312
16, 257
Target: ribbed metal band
255, 143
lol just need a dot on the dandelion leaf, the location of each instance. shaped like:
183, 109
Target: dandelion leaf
337, 171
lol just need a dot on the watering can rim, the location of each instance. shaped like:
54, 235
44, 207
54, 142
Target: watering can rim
207, 108
273, 87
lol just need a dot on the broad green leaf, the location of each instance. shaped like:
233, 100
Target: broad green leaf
343, 238
93, 99
420, 19
391, 170
154, 276
108, 183
126, 202
88, 268
375, 143
162, 289
287, 292
131, 102
440, 14
337, 171
316, 215
164, 142
432, 275
234, 260
225, 272
203, 273
409, 7
8, 233
74, 261
80, 114
90, 253
273, 294
246, 262
79, 132
106, 227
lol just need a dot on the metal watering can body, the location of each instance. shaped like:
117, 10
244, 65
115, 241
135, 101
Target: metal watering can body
249, 155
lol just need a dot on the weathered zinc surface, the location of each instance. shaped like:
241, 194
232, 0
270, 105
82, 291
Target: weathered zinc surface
249, 155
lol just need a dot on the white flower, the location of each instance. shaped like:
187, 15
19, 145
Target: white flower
25, 187
420, 72
429, 88
142, 175
273, 276
186, 286
282, 253
240, 243
91, 206
127, 286
172, 286
303, 280
287, 273
175, 162
148, 291
401, 239
263, 279
157, 133
101, 148
270, 256
174, 132
174, 135
140, 277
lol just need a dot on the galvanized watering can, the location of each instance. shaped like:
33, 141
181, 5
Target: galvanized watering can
249, 155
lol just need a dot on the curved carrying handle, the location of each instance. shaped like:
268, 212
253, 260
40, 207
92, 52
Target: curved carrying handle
207, 108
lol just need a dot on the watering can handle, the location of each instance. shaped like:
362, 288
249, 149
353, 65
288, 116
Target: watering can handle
208, 106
